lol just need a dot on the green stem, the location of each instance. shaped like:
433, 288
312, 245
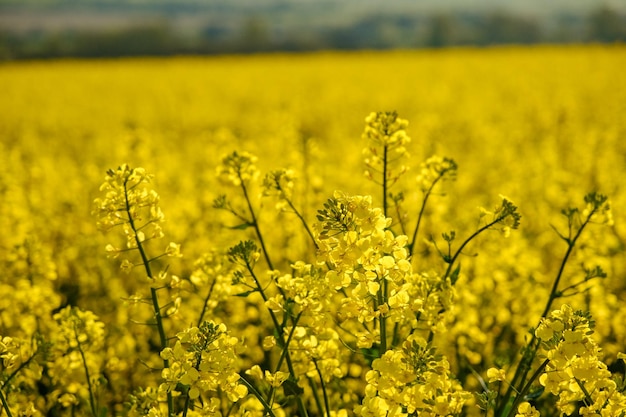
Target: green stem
306, 227
277, 325
468, 240
206, 302
570, 247
22, 366
385, 163
5, 404
324, 393
419, 217
92, 398
196, 367
285, 351
258, 396
155, 300
520, 397
588, 398
255, 223
526, 361
382, 299
316, 397
279, 331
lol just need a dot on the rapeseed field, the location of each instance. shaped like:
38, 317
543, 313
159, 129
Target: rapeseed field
398, 233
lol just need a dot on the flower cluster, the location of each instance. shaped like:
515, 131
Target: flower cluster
363, 255
76, 363
130, 203
574, 370
434, 169
279, 183
238, 168
504, 216
387, 140
203, 360
412, 379
315, 346
127, 200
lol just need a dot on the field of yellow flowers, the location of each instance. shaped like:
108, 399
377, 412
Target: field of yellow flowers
426, 233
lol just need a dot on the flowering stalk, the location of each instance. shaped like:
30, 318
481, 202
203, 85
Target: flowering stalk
505, 215
129, 203
153, 291
433, 170
387, 138
239, 170
280, 183
595, 203
597, 208
246, 254
92, 398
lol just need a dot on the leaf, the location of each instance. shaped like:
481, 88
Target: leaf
291, 387
454, 276
241, 226
246, 293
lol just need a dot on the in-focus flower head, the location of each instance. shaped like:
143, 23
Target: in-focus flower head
574, 370
204, 359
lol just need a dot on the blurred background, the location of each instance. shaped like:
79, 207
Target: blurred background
107, 28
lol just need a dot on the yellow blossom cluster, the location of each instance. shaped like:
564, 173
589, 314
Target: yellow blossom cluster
203, 359
574, 370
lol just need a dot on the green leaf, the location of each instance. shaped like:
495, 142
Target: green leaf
454, 276
291, 387
241, 226
246, 293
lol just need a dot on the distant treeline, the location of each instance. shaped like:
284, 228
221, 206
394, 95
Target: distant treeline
376, 32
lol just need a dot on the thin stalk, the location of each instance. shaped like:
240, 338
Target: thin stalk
197, 367
22, 366
279, 330
519, 398
324, 393
283, 356
522, 369
526, 361
92, 398
264, 296
385, 163
400, 220
382, 299
306, 227
5, 404
468, 240
155, 300
289, 337
206, 302
255, 223
420, 216
315, 394
588, 398
570, 247
258, 396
